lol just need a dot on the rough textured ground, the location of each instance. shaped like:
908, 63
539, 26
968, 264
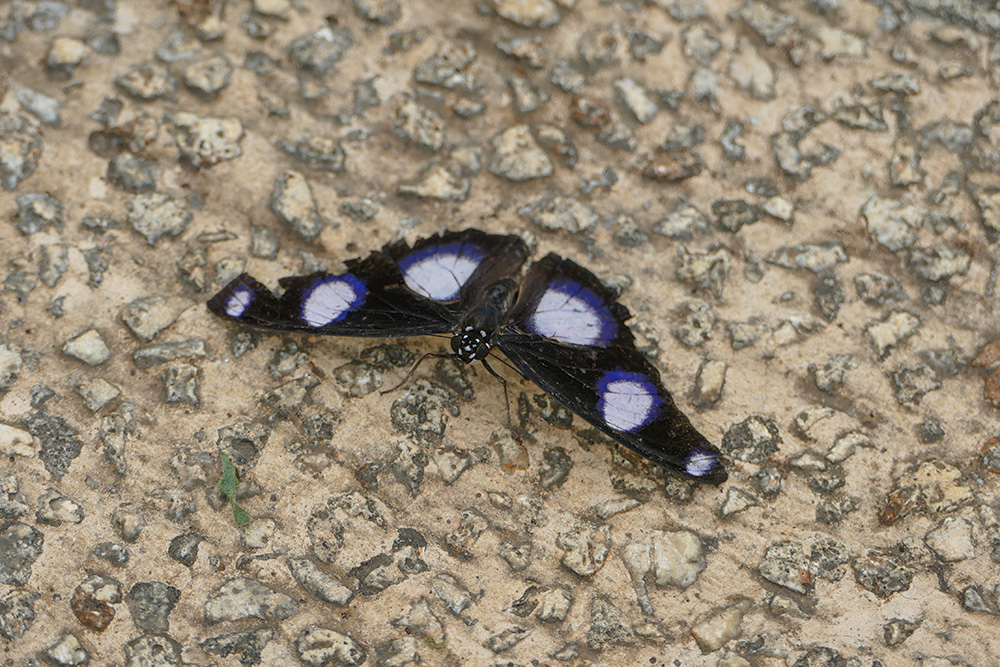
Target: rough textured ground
798, 201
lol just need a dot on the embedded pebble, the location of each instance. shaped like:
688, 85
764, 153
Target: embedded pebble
41, 106
939, 262
951, 540
67, 650
20, 148
97, 393
584, 549
420, 125
65, 55
292, 201
706, 270
156, 216
56, 509
753, 440
204, 142
317, 52
883, 573
20, 547
15, 442
159, 353
320, 584
751, 72
891, 222
248, 644
322, 647
527, 13
666, 558
517, 156
148, 82
785, 564
891, 330
737, 500
555, 212
180, 384
709, 382
682, 222
89, 347
208, 76
697, 320
636, 99
241, 598
818, 258
37, 211
448, 67
720, 627
933, 486
147, 316
318, 152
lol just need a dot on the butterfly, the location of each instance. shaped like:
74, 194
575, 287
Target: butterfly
558, 326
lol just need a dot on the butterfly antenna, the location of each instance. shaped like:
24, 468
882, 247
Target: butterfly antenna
413, 369
506, 397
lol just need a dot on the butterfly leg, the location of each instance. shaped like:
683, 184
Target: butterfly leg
506, 397
413, 369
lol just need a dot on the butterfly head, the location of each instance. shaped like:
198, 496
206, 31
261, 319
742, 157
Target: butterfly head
471, 343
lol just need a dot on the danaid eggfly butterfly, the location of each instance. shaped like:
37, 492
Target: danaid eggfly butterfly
558, 325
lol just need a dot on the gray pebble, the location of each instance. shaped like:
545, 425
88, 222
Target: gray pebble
320, 584
55, 509
706, 270
147, 316
883, 573
89, 347
148, 82
317, 52
180, 384
241, 598
160, 353
898, 630
208, 76
53, 263
634, 97
420, 125
248, 644
10, 366
517, 156
206, 141
20, 148
596, 47
155, 216
67, 651
785, 564
64, 56
566, 77
951, 540
939, 262
584, 549
184, 548
527, 13
58, 440
526, 97
43, 107
112, 552
153, 649
132, 173
753, 440
36, 211
97, 393
709, 382
150, 603
20, 547
448, 67
292, 201
698, 43
322, 647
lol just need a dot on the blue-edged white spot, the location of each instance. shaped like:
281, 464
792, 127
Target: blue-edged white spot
700, 463
439, 271
330, 299
239, 301
627, 401
570, 313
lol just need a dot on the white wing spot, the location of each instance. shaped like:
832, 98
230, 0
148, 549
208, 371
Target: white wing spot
329, 301
568, 319
239, 301
440, 276
627, 404
699, 463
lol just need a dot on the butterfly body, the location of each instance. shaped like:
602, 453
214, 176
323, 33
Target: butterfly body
558, 325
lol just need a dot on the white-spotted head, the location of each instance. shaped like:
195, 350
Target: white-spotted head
471, 343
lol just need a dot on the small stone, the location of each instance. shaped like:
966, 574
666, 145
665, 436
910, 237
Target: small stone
527, 50
932, 487
527, 13
795, 162
844, 446
819, 258
320, 584
898, 630
15, 442
951, 540
112, 552
778, 207
20, 547
248, 644
911, 383
132, 173
973, 600
89, 347
901, 84
97, 393
566, 77
673, 166
597, 47
892, 223
420, 125
56, 509
322, 647
785, 564
753, 440
737, 500
146, 317
682, 222
555, 212
709, 382
318, 152
939, 262
882, 573
241, 598
699, 44
20, 148
180, 384
750, 72
526, 97
731, 215
835, 43
358, 378
292, 201
67, 651
148, 82
878, 290
155, 216
517, 156
720, 627
204, 142
42, 107
317, 52
666, 558
636, 99
64, 56
706, 270
606, 626
36, 211
507, 639
448, 67
455, 596
159, 353
585, 549
208, 76
891, 330
382, 12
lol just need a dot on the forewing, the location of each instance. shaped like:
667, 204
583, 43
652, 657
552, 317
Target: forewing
451, 268
567, 334
369, 300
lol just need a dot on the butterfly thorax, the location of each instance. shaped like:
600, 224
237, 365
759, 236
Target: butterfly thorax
474, 336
